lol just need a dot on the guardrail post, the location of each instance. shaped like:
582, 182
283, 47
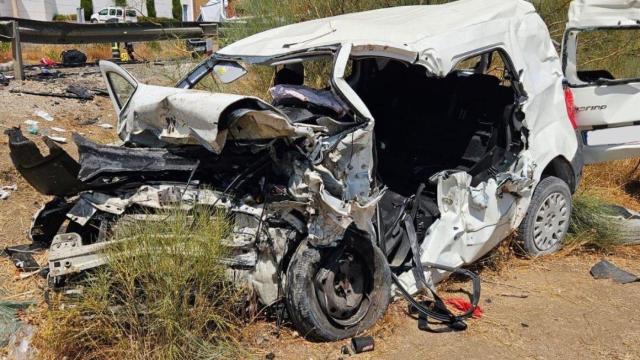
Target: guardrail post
16, 51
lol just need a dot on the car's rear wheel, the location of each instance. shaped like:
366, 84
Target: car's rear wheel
335, 293
546, 224
94, 21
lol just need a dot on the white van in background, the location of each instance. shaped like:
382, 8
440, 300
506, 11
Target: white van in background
114, 14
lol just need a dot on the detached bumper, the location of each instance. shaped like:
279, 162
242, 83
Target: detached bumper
54, 174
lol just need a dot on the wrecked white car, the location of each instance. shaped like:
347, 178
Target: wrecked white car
440, 130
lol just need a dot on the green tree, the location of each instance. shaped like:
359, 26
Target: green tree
121, 3
87, 5
176, 9
151, 8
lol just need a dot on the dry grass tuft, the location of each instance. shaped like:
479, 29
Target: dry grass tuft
163, 295
617, 182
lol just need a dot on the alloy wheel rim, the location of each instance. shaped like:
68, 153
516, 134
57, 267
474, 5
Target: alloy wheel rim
551, 222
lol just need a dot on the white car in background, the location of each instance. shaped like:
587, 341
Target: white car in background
114, 14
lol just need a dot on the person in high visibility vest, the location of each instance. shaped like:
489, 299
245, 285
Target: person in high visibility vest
115, 50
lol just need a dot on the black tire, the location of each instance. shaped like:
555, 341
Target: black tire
303, 289
94, 21
537, 221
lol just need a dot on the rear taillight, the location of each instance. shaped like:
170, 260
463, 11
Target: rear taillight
571, 108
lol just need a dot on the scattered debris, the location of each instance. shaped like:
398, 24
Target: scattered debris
22, 257
43, 115
26, 275
462, 304
519, 296
43, 73
20, 347
362, 344
5, 191
32, 126
47, 62
606, 270
9, 322
73, 58
57, 129
80, 91
270, 356
58, 139
7, 66
524, 324
68, 95
88, 121
106, 126
4, 80
345, 350
100, 92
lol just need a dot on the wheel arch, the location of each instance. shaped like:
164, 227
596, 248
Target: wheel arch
561, 168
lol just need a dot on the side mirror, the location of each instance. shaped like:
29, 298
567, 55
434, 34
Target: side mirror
228, 71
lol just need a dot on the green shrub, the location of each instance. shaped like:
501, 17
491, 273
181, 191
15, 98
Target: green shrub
151, 8
592, 223
176, 9
162, 295
121, 3
87, 5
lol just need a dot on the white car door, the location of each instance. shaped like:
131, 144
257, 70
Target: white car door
601, 53
103, 15
112, 13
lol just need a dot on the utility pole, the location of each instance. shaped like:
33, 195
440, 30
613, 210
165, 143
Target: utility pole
14, 5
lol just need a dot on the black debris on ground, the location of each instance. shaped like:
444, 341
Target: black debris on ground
607, 270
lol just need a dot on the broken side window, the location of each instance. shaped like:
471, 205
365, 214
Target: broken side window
491, 63
609, 54
122, 88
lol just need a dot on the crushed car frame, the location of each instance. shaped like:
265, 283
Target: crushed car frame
440, 131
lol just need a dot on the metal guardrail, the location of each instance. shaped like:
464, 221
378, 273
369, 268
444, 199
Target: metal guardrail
46, 32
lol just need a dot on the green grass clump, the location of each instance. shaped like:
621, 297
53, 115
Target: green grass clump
592, 223
162, 295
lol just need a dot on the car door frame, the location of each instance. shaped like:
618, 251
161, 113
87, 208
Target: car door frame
107, 67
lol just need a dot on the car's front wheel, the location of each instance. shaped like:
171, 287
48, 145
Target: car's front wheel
335, 293
94, 21
547, 221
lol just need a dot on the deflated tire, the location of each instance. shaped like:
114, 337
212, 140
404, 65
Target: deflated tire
338, 292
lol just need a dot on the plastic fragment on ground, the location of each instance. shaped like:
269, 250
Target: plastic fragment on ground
43, 115
606, 270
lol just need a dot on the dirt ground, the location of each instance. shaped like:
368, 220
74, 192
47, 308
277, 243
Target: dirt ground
540, 309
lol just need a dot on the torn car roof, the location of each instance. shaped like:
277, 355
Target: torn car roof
406, 28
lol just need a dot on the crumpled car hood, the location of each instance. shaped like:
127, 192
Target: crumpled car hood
159, 116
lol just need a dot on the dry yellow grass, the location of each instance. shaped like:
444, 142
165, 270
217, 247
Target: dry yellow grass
154, 50
617, 182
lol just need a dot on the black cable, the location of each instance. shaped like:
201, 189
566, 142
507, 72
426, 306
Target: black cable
446, 316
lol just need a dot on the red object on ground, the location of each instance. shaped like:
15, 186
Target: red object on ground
47, 62
464, 305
